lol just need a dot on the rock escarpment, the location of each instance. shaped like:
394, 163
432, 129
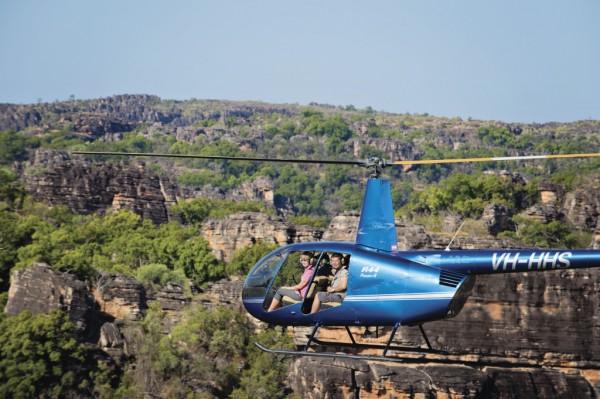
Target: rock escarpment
103, 312
40, 289
55, 179
242, 229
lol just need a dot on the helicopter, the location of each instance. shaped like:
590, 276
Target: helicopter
385, 286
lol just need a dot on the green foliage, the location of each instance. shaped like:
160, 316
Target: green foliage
350, 198
3, 302
467, 195
198, 262
245, 258
298, 185
120, 242
334, 129
499, 136
568, 178
368, 151
194, 211
262, 378
315, 221
555, 234
157, 275
401, 194
206, 346
14, 146
12, 192
16, 232
131, 142
433, 173
221, 173
39, 356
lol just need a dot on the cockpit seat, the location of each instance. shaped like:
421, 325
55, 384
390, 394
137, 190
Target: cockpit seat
317, 283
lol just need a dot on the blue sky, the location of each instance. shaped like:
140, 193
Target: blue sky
515, 61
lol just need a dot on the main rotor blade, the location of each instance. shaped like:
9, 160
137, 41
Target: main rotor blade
491, 159
144, 154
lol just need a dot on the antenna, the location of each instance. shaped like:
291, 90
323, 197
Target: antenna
455, 234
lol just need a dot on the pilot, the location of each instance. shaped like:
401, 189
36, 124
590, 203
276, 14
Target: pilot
337, 289
298, 291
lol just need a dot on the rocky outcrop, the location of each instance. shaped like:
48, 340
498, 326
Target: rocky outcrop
342, 227
120, 297
497, 217
582, 207
414, 236
129, 111
40, 289
85, 188
533, 335
359, 379
239, 230
104, 312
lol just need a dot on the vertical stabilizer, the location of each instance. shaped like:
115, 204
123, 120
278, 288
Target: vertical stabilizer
377, 228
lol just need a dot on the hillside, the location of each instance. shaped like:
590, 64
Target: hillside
140, 256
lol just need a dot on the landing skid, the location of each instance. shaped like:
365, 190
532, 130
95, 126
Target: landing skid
327, 354
355, 345
435, 356
411, 349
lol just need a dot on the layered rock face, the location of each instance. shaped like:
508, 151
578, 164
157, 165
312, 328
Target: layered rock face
40, 289
246, 228
54, 178
103, 313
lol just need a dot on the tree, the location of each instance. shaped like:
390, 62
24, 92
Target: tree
198, 262
14, 146
157, 275
208, 345
12, 193
545, 235
40, 356
245, 258
262, 379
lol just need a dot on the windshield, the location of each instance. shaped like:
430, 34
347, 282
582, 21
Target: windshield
262, 274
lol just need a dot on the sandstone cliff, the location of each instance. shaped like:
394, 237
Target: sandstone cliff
52, 177
242, 229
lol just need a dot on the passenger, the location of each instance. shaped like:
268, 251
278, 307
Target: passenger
337, 289
324, 267
298, 291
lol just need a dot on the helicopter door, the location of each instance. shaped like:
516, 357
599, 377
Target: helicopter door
290, 275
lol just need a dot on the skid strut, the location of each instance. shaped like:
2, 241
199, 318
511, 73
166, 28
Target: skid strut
354, 345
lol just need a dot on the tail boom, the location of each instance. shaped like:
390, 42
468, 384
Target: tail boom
508, 261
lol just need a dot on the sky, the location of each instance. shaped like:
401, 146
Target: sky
511, 60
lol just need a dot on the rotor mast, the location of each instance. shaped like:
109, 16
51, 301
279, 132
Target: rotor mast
375, 166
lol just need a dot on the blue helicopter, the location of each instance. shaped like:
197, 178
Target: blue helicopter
381, 285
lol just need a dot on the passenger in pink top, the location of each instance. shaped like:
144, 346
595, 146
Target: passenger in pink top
298, 291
